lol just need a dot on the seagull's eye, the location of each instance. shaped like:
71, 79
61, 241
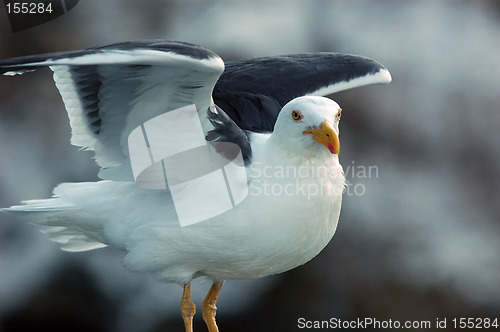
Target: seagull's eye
337, 117
296, 116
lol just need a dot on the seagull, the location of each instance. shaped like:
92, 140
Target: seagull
286, 206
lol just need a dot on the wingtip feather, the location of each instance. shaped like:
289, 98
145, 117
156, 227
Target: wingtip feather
385, 76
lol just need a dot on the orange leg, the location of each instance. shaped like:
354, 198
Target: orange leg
208, 306
188, 309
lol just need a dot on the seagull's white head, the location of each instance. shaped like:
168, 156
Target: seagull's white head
309, 124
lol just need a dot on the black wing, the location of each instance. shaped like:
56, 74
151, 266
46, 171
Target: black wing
252, 92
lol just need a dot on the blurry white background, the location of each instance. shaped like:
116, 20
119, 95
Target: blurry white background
418, 240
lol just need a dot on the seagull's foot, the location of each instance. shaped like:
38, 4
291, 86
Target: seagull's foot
188, 309
209, 308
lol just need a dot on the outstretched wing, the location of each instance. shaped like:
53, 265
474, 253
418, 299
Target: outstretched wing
109, 91
252, 92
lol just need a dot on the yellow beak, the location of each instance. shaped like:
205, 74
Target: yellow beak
325, 135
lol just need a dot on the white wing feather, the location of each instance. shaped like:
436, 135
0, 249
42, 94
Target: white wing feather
133, 87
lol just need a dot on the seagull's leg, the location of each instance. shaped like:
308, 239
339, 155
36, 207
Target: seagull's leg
208, 307
188, 309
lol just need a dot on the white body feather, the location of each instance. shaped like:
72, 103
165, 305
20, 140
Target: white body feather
264, 235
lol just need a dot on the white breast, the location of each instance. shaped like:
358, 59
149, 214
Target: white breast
289, 216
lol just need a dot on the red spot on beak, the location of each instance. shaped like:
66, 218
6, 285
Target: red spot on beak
331, 148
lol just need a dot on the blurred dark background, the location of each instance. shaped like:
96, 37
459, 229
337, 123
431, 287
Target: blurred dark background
418, 237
